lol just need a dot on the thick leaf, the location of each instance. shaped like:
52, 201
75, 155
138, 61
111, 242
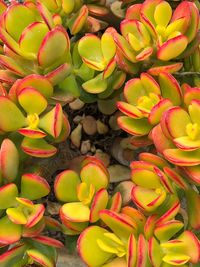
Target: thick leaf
78, 20
17, 18
12, 65
87, 245
145, 178
9, 160
8, 193
48, 241
163, 13
51, 122
55, 40
138, 127
65, 186
93, 56
96, 85
75, 212
12, 255
148, 199
16, 215
182, 158
170, 88
32, 101
13, 231
172, 48
32, 36
99, 203
93, 174
175, 120
40, 258
167, 230
40, 185
11, 118
122, 225
38, 148
155, 252
37, 82
35, 215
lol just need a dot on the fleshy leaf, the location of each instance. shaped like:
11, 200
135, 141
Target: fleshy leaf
145, 178
148, 199
17, 18
55, 40
51, 122
65, 186
134, 126
8, 193
172, 48
38, 82
38, 148
167, 230
40, 258
122, 225
40, 185
11, 118
35, 215
93, 174
75, 212
170, 88
182, 158
99, 203
9, 160
32, 36
32, 101
13, 231
96, 85
87, 246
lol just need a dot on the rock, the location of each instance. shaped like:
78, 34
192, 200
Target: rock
67, 260
113, 121
101, 127
89, 125
85, 146
77, 119
104, 157
53, 208
125, 189
76, 135
107, 106
119, 173
76, 104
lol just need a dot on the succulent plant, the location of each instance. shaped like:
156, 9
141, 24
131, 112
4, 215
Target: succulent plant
86, 193
146, 100
56, 52
152, 29
31, 37
153, 245
181, 132
30, 97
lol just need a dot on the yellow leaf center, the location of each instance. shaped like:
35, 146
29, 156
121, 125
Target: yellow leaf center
193, 130
33, 120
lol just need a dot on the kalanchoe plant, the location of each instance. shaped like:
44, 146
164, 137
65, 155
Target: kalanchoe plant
151, 245
152, 29
33, 126
86, 195
77, 16
30, 38
146, 100
52, 51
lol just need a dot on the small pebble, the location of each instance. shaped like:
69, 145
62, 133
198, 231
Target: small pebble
101, 127
85, 146
89, 125
76, 104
